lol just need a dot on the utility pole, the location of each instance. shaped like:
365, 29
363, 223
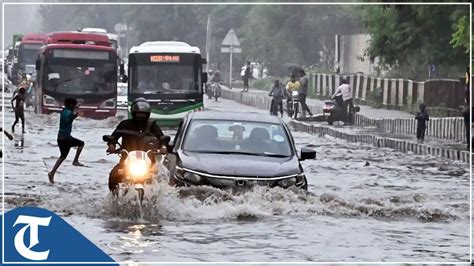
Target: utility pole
208, 42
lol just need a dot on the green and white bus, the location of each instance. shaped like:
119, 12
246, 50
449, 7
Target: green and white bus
170, 76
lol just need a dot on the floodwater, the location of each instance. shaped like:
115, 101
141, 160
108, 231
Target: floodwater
363, 204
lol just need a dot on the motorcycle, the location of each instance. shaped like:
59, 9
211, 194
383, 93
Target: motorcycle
213, 90
293, 104
139, 169
334, 108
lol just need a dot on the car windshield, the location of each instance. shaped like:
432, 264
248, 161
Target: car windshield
231, 137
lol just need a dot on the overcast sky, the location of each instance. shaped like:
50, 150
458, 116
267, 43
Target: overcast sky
20, 19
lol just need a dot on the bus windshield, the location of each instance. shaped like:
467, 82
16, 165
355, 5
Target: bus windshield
75, 76
154, 74
28, 53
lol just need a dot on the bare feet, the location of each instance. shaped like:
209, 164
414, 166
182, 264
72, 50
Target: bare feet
51, 178
77, 163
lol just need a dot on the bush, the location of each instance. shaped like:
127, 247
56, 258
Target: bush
375, 98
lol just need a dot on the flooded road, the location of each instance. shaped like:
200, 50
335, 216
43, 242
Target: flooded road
364, 204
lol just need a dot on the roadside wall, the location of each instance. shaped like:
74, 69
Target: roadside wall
445, 94
395, 125
450, 128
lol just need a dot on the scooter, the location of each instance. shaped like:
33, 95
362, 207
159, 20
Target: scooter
139, 170
292, 104
335, 110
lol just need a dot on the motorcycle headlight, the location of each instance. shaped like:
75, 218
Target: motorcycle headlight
294, 93
137, 169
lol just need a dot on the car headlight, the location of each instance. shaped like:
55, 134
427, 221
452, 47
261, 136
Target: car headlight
49, 101
287, 182
183, 174
109, 104
297, 180
300, 179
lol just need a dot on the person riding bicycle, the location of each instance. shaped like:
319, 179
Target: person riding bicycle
132, 132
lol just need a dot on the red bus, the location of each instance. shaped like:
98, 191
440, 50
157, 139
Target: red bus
28, 50
79, 65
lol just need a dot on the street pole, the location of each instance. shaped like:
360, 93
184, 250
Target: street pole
230, 74
208, 42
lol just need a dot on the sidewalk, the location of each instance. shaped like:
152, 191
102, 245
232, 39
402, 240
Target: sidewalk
369, 134
365, 110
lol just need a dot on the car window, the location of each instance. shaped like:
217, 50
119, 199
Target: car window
253, 138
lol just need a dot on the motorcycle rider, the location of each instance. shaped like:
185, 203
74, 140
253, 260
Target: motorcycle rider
278, 93
291, 86
346, 91
132, 131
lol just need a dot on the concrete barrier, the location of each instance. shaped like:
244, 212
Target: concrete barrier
454, 130
449, 128
444, 94
383, 142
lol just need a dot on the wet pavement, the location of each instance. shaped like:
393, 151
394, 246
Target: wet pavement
364, 203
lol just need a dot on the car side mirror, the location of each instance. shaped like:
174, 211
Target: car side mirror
307, 154
203, 61
38, 64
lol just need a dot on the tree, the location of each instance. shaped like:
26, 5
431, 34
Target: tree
409, 38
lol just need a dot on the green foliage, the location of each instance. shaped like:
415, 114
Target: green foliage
268, 33
406, 39
461, 35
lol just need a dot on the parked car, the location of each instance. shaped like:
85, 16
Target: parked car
232, 150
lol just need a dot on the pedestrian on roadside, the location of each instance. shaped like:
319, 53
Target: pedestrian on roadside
9, 136
247, 76
65, 140
466, 114
278, 93
422, 117
19, 109
303, 93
